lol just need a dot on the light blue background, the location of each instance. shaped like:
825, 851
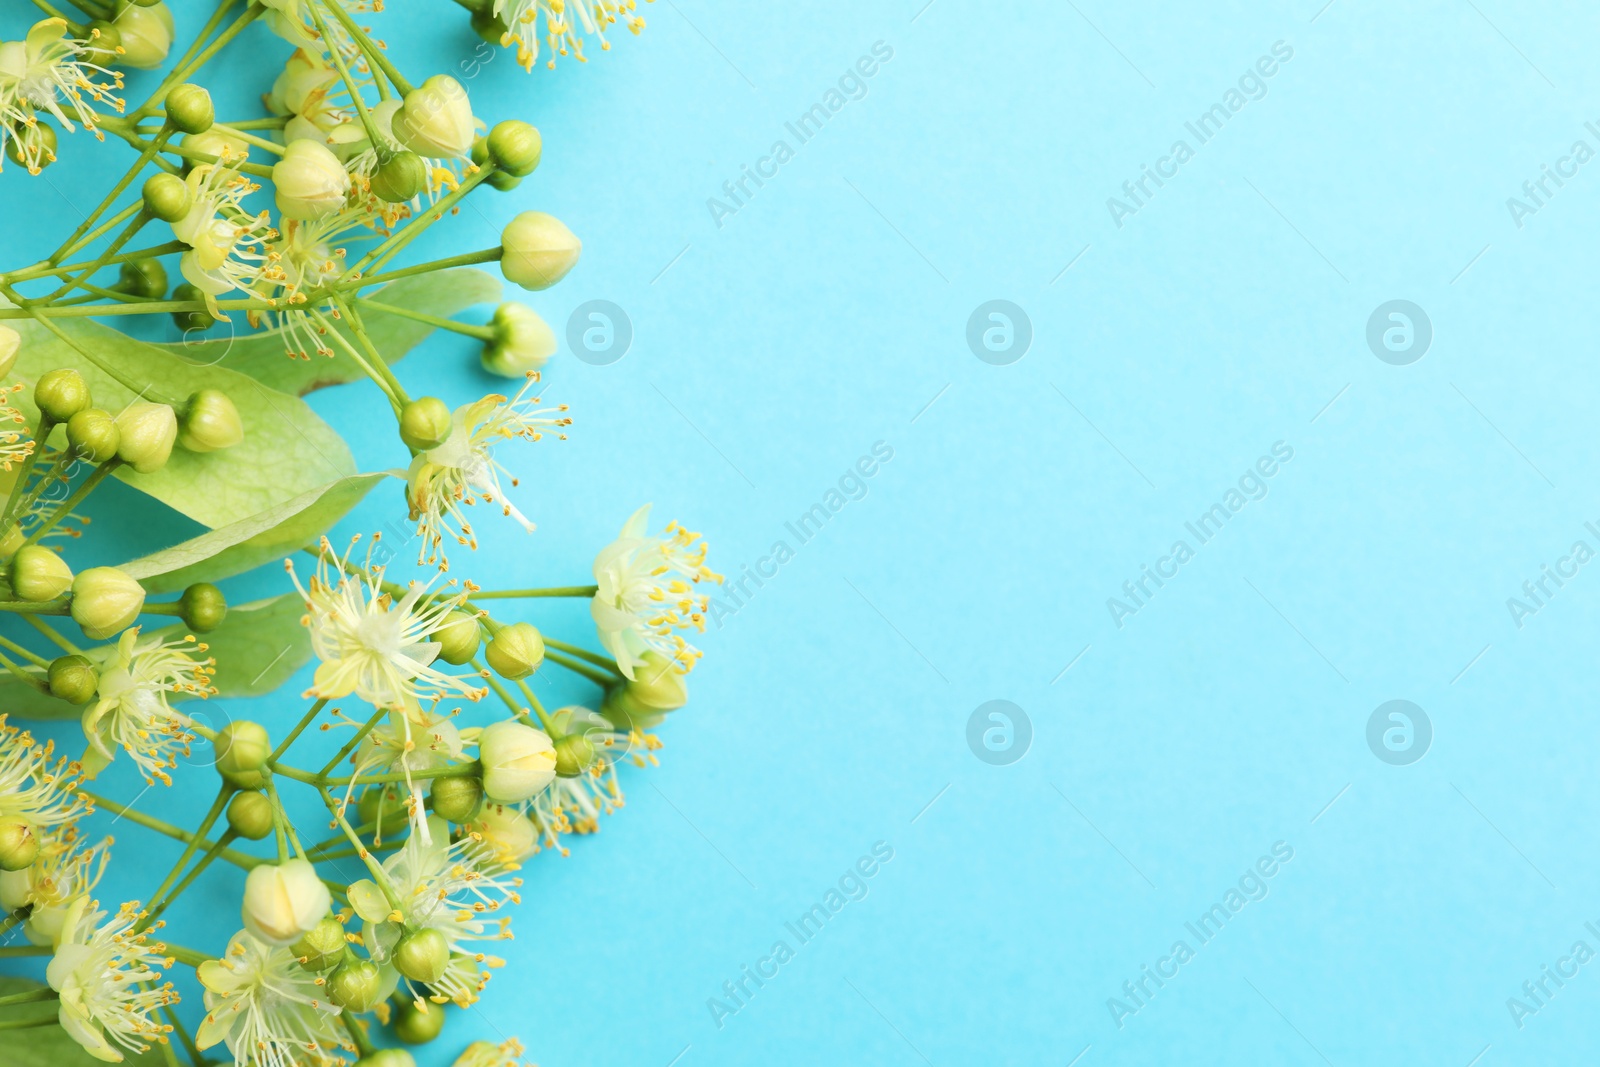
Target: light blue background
1227, 315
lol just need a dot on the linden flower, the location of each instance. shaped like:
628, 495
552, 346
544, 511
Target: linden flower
304, 257
61, 874
414, 740
485, 1054
14, 446
369, 644
575, 805
101, 969
34, 788
133, 709
227, 244
463, 470
646, 593
564, 23
268, 1008
446, 887
43, 72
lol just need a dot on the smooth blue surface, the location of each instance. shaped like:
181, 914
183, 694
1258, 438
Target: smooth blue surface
1230, 712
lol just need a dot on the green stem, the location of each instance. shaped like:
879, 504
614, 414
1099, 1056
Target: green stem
194, 872
281, 828
187, 956
483, 333
110, 369
238, 859
41, 433
374, 54
94, 479
466, 259
44, 268
182, 1031
249, 138
188, 852
538, 709
602, 662
87, 224
37, 661
349, 82
305, 720
99, 231
350, 746
382, 382
50, 632
22, 675
13, 951
191, 61
559, 590
379, 875
138, 223
604, 681
30, 996
378, 362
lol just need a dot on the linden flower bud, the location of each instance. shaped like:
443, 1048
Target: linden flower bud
19, 845
418, 1026
146, 34
250, 814
189, 108
242, 750
356, 984
518, 761
425, 423
436, 119
310, 181
39, 574
210, 421
191, 320
148, 433
522, 341
93, 435
60, 394
658, 684
422, 955
167, 197
459, 637
387, 1057
202, 607
516, 651
10, 343
104, 40
105, 602
455, 799
515, 147
574, 754
537, 250
143, 277
214, 143
401, 177
33, 146
322, 947
284, 900
73, 679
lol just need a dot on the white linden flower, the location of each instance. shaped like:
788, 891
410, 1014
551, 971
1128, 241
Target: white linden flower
449, 888
44, 72
15, 446
414, 740
268, 1008
369, 644
565, 21
132, 708
101, 971
227, 244
34, 788
646, 593
61, 874
463, 470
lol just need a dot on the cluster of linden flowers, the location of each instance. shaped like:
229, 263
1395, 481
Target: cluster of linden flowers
450, 773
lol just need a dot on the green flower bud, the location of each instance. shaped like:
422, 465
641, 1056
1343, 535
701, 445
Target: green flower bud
39, 574
142, 277
322, 947
422, 955
309, 180
73, 679
93, 435
658, 684
191, 320
574, 754
104, 40
459, 637
19, 845
355, 984
105, 602
242, 750
401, 177
387, 1057
167, 197
516, 651
189, 108
518, 761
502, 182
418, 1026
456, 799
384, 808
425, 423
224, 147
625, 713
537, 250
202, 607
148, 432
10, 345
33, 146
283, 901
435, 120
61, 394
522, 341
515, 147
147, 31
250, 814
210, 421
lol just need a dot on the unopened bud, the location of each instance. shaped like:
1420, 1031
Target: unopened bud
422, 955
309, 180
574, 754
189, 108
282, 901
191, 320
147, 435
93, 435
105, 602
242, 750
142, 277
435, 119
323, 945
39, 573
388, 1057
502, 182
33, 146
227, 149
104, 40
147, 30
355, 984
425, 423
522, 341
516, 650
418, 1025
202, 607
19, 845
167, 197
401, 177
537, 250
518, 761
459, 637
456, 799
60, 394
515, 146
250, 814
73, 679
210, 421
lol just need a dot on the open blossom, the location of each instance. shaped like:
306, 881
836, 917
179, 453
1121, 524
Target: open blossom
647, 593
132, 708
63, 872
34, 788
51, 72
227, 243
269, 1009
413, 740
371, 645
463, 470
101, 969
565, 23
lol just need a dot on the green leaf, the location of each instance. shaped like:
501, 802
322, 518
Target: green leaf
257, 648
49, 1045
286, 450
239, 546
264, 356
